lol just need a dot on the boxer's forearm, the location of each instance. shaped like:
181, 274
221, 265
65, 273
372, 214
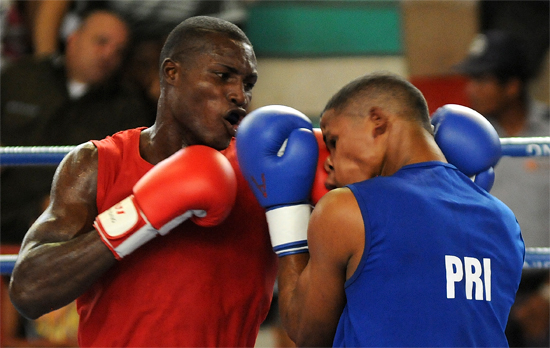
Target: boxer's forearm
311, 300
294, 295
51, 275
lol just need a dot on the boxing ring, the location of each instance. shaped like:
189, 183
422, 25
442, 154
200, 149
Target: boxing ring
52, 155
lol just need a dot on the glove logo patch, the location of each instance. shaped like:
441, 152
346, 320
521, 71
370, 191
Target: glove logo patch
262, 187
119, 219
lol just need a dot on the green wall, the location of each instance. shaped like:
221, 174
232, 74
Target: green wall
325, 28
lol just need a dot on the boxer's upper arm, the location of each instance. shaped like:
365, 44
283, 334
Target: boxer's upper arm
72, 207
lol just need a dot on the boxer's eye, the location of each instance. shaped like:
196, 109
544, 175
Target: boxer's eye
223, 75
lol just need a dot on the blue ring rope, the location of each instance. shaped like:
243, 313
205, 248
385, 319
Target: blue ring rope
33, 155
52, 155
525, 147
534, 258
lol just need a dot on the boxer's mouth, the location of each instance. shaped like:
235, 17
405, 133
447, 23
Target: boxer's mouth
234, 117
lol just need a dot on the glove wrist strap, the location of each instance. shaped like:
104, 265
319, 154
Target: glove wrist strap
123, 228
288, 228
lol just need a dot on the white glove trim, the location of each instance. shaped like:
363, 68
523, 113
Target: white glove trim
178, 220
137, 239
288, 228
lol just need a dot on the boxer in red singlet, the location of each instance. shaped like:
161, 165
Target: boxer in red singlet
145, 229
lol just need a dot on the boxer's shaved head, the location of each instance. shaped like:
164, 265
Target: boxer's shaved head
384, 89
188, 37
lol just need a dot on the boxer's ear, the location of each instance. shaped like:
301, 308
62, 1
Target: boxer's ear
170, 70
379, 119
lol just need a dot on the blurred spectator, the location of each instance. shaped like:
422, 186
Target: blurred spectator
16, 19
499, 77
142, 70
529, 323
63, 100
155, 18
150, 22
148, 19
53, 21
498, 88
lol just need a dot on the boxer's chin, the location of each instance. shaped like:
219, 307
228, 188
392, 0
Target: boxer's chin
221, 143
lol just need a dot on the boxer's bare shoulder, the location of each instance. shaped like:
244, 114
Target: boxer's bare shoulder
76, 175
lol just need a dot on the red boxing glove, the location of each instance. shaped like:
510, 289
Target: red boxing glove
318, 190
196, 182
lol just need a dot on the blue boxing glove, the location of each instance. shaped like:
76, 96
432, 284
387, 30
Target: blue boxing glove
468, 141
486, 179
277, 153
